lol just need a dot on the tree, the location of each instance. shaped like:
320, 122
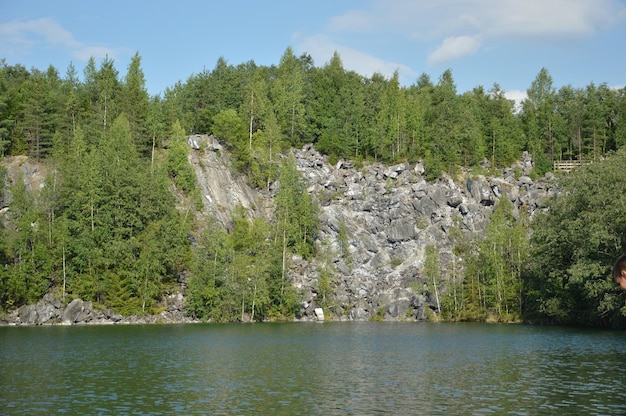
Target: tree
442, 152
288, 97
538, 117
599, 112
28, 270
206, 291
135, 104
13, 107
296, 213
503, 254
42, 111
432, 271
228, 126
108, 89
620, 117
178, 166
390, 120
574, 245
501, 131
327, 108
124, 238
569, 103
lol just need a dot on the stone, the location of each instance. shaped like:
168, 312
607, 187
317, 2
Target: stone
45, 311
319, 314
72, 311
401, 230
27, 314
425, 206
398, 309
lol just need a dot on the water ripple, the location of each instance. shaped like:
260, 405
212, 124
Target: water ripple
316, 369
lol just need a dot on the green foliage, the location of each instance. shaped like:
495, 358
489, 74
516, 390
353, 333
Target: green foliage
296, 212
432, 271
244, 273
422, 223
493, 277
237, 275
28, 260
379, 316
341, 112
228, 126
343, 241
574, 246
178, 166
395, 262
103, 228
324, 288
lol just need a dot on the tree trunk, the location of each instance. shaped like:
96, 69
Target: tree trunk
64, 275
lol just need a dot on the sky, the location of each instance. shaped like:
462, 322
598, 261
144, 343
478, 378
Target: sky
482, 42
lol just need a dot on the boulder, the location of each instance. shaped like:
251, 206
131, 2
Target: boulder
27, 314
72, 311
46, 312
319, 314
397, 310
401, 230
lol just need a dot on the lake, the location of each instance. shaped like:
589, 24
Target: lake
354, 368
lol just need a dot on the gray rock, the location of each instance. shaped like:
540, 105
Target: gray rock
481, 191
46, 311
359, 314
391, 214
72, 311
401, 230
425, 206
398, 309
454, 199
440, 196
525, 180
85, 314
27, 314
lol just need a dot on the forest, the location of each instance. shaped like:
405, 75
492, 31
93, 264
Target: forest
115, 221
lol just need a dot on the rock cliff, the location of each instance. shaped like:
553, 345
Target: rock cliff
387, 214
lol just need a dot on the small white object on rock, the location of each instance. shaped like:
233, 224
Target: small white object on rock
319, 314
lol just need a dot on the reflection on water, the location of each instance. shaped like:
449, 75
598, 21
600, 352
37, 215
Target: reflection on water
312, 368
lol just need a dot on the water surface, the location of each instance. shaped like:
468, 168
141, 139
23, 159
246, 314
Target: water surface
312, 368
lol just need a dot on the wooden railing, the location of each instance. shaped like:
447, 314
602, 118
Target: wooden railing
568, 165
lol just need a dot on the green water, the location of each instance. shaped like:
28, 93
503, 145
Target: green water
312, 369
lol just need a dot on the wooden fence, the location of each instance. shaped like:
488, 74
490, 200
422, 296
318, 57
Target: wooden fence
568, 165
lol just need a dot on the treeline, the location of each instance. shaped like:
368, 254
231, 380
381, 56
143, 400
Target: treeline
106, 227
259, 111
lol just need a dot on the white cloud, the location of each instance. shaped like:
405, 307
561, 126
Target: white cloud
517, 96
454, 47
457, 25
321, 49
28, 33
20, 37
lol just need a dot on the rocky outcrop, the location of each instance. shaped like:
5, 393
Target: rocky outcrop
51, 310
32, 173
222, 190
390, 215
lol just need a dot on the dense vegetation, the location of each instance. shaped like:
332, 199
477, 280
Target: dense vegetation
107, 228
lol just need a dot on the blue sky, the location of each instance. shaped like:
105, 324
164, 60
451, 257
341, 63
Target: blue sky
481, 41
